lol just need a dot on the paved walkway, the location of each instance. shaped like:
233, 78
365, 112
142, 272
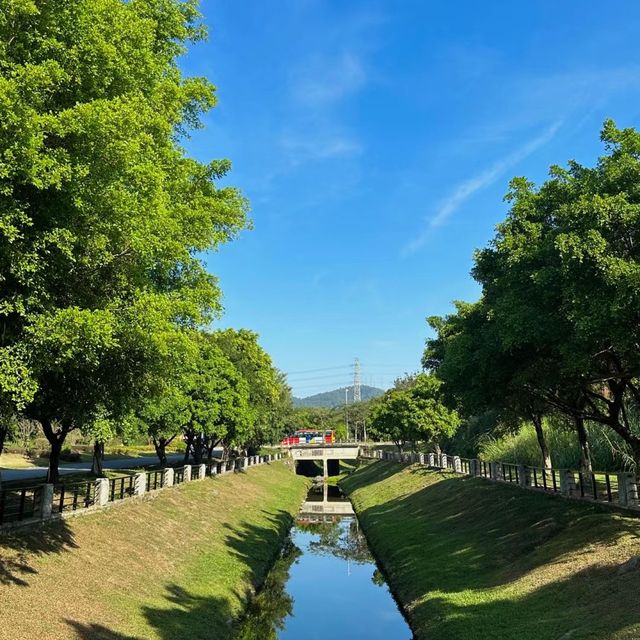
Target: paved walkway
74, 467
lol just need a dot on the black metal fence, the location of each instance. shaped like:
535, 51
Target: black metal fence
39, 501
121, 488
20, 504
619, 489
155, 480
73, 496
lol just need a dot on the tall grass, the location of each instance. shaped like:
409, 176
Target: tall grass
608, 451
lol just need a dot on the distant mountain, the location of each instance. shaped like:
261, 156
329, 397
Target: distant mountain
335, 398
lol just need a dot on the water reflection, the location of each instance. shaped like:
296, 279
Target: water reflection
325, 582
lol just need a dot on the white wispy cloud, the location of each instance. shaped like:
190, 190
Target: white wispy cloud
468, 188
300, 148
327, 79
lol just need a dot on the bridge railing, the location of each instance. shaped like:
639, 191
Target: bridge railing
612, 488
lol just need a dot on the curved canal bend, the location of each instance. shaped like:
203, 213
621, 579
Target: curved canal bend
325, 582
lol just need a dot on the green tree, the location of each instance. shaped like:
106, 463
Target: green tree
269, 396
102, 214
218, 402
413, 411
480, 373
561, 277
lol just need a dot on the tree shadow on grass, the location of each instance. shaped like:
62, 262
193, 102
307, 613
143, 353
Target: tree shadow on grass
474, 533
457, 535
20, 547
370, 474
189, 615
97, 632
593, 603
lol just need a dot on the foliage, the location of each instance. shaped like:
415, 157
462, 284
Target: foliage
102, 214
608, 451
560, 297
269, 395
413, 411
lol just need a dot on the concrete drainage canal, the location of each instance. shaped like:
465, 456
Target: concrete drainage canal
325, 583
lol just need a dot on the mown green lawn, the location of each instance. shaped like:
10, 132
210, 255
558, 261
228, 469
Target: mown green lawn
470, 559
178, 565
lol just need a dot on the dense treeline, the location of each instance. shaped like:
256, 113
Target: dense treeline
555, 334
105, 302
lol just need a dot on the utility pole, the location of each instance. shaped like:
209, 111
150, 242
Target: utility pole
356, 381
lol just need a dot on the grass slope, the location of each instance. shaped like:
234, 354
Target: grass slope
471, 560
178, 565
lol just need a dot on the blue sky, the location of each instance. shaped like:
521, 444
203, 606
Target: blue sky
375, 141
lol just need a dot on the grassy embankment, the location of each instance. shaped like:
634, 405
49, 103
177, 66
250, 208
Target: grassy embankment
179, 564
470, 559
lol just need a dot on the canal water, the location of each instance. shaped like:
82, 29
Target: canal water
325, 583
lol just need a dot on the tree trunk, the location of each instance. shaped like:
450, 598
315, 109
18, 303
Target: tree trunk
56, 440
536, 418
4, 432
635, 449
98, 459
160, 446
197, 449
586, 465
188, 440
53, 474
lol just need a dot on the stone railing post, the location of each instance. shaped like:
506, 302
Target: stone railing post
46, 505
567, 483
457, 464
168, 477
627, 489
102, 492
245, 464
187, 473
203, 472
443, 460
421, 458
214, 468
431, 460
523, 476
140, 484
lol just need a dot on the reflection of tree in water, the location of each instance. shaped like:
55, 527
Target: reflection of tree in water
267, 611
342, 539
377, 578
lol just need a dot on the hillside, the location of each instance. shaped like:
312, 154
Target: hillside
335, 398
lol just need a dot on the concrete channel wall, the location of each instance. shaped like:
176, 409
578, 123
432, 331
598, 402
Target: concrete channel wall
619, 489
21, 506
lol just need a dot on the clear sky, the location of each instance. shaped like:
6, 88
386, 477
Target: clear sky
375, 140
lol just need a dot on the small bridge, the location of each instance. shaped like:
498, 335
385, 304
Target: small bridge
329, 454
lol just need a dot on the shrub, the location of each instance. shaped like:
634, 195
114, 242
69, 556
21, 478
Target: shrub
67, 455
608, 453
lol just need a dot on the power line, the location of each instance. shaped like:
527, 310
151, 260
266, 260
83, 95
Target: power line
293, 373
330, 376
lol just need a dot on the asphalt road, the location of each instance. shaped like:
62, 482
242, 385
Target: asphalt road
74, 467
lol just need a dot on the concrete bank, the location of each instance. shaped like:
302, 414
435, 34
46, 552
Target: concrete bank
469, 559
173, 564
